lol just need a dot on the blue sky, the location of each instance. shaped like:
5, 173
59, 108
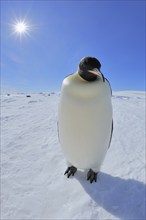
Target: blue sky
62, 32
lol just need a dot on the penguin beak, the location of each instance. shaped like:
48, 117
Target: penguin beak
96, 72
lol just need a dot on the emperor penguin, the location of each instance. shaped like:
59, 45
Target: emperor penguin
85, 122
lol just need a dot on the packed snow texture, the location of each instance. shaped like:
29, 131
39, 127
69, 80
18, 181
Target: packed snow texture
33, 185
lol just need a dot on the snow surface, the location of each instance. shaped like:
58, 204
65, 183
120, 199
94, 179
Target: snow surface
32, 163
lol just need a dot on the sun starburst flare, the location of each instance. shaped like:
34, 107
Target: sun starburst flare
21, 28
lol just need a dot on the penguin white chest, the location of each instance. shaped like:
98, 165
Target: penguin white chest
85, 118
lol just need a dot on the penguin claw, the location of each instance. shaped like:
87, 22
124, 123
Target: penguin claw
92, 176
70, 171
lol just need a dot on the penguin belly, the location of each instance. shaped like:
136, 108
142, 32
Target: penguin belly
85, 120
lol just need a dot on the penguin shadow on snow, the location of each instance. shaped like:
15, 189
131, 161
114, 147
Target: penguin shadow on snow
122, 198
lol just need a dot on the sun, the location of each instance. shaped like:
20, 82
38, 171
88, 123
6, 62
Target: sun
20, 27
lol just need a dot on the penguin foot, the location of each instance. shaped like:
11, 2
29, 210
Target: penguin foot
91, 176
70, 171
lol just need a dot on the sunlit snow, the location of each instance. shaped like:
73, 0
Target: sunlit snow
32, 182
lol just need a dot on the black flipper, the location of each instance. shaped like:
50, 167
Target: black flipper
111, 134
92, 176
70, 171
109, 85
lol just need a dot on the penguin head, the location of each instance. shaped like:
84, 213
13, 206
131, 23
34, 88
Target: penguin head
89, 69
